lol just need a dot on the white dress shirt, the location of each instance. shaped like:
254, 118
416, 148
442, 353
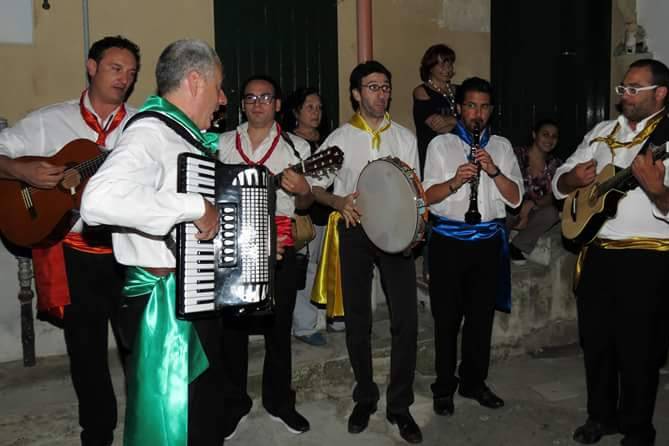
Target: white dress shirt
446, 153
396, 141
45, 131
136, 190
282, 157
636, 216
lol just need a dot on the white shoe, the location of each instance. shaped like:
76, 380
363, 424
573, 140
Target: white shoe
541, 254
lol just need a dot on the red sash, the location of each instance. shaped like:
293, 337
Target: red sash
53, 292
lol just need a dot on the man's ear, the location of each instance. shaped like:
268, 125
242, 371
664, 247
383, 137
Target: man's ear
459, 109
661, 93
91, 67
356, 94
277, 105
193, 80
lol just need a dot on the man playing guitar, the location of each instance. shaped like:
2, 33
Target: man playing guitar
621, 292
79, 284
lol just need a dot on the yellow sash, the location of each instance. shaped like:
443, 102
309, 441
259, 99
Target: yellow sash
650, 244
327, 283
359, 122
611, 141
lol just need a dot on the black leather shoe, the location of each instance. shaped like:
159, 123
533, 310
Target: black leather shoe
359, 418
409, 430
293, 421
592, 431
635, 440
444, 405
484, 396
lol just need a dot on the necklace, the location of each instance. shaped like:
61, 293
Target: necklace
447, 93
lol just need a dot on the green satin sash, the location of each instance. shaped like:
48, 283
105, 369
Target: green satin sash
166, 357
156, 103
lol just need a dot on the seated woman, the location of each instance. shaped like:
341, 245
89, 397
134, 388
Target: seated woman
538, 212
434, 99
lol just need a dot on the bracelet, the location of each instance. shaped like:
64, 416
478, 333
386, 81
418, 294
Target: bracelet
495, 174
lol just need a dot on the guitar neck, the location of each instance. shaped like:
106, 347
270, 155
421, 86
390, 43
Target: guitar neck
624, 180
88, 168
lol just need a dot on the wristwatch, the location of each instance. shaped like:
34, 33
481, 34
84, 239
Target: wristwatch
493, 175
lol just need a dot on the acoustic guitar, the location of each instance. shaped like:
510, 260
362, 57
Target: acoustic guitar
586, 209
30, 216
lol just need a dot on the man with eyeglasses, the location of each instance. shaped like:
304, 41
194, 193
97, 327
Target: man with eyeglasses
260, 141
621, 293
468, 258
370, 134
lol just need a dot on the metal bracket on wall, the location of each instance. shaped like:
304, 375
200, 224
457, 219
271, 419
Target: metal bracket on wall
46, 5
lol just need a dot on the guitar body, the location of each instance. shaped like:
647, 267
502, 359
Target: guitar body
585, 210
37, 217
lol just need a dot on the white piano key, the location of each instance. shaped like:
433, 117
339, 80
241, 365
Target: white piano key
198, 308
194, 294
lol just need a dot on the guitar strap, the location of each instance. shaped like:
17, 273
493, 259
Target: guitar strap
659, 136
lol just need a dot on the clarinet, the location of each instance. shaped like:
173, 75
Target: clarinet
473, 216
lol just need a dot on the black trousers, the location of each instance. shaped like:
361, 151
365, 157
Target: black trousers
464, 280
205, 394
623, 315
398, 276
277, 393
95, 282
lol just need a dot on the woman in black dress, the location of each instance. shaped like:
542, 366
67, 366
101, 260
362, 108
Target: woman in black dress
434, 99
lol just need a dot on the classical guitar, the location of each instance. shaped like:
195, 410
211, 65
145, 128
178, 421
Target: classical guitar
586, 209
30, 216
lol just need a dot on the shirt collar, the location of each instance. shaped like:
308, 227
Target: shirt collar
627, 129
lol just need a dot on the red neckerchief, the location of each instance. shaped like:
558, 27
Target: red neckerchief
247, 160
93, 123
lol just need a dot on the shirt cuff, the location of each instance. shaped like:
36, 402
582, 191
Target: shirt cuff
193, 206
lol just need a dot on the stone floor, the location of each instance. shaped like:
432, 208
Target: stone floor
544, 395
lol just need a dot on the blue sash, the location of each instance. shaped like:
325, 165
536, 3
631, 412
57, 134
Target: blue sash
483, 231
464, 135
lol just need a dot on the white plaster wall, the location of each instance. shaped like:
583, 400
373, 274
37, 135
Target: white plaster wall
48, 339
653, 16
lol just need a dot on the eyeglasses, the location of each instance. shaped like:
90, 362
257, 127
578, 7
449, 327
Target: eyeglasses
378, 87
632, 91
265, 98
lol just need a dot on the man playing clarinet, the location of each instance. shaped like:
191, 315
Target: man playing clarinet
470, 176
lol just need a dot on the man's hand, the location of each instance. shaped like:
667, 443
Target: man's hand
294, 183
649, 174
346, 206
208, 224
581, 175
585, 173
39, 173
485, 160
464, 174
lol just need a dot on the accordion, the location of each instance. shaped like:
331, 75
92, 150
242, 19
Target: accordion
234, 272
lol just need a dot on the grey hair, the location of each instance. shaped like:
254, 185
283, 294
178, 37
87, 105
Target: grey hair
182, 57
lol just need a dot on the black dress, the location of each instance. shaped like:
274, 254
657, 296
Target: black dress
422, 109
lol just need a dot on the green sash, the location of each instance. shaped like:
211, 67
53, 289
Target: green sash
166, 357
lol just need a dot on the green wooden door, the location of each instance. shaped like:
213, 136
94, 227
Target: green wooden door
294, 41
